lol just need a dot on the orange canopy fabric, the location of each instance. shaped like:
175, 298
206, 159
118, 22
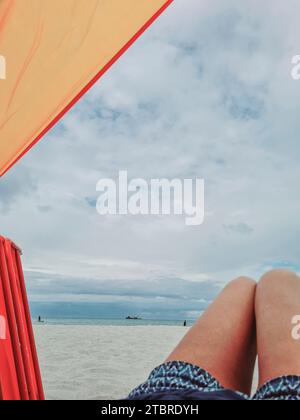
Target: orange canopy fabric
54, 50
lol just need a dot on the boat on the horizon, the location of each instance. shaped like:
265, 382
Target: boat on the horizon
133, 318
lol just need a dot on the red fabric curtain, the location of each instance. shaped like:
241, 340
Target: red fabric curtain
20, 377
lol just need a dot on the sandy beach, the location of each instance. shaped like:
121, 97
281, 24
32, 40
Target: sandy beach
100, 362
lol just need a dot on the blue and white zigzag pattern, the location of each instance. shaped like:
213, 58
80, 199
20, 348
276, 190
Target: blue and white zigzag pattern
176, 376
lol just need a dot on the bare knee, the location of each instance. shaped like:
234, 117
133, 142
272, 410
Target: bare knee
278, 278
243, 283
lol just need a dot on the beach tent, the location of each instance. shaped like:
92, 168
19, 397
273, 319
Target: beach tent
20, 377
52, 51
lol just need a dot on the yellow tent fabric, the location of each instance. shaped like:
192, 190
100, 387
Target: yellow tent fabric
53, 51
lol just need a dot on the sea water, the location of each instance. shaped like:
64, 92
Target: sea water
112, 322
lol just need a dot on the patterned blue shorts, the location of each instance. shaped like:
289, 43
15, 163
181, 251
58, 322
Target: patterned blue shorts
183, 381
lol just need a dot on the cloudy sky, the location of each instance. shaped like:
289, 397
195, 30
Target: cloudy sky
206, 92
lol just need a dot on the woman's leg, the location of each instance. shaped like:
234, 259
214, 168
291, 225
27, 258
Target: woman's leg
277, 303
223, 339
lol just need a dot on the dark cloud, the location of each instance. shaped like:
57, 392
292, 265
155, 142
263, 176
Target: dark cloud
158, 298
241, 228
168, 288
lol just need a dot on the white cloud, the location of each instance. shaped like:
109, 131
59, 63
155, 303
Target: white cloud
205, 92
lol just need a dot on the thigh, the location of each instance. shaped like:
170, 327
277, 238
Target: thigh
223, 340
277, 303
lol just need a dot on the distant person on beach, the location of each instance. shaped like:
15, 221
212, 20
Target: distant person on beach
40, 320
216, 358
184, 324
